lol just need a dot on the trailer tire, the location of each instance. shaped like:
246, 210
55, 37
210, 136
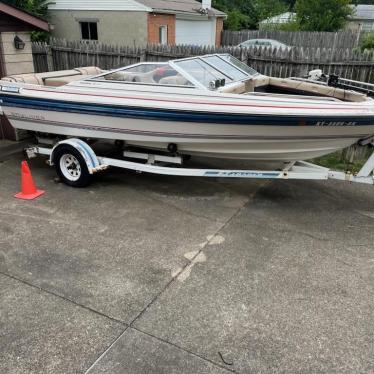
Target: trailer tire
71, 166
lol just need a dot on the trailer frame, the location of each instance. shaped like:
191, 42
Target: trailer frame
160, 164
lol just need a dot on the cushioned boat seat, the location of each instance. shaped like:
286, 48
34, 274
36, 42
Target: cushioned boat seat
145, 77
89, 70
294, 85
318, 89
62, 81
121, 76
45, 79
247, 86
124, 76
176, 80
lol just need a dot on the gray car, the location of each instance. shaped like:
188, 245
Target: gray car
264, 43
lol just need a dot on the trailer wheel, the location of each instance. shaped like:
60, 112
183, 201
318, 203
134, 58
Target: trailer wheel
71, 167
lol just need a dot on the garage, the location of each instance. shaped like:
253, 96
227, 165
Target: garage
195, 32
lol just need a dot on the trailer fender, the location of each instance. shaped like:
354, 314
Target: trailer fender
84, 149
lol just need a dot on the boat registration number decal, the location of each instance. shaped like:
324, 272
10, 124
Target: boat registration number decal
335, 124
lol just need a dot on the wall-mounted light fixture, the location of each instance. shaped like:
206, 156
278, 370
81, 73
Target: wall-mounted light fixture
18, 42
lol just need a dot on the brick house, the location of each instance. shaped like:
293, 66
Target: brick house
130, 22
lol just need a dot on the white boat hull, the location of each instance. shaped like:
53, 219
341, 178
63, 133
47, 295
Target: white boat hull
210, 140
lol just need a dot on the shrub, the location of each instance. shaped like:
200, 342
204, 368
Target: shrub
367, 42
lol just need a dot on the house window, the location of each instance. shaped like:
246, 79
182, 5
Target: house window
163, 34
367, 26
89, 30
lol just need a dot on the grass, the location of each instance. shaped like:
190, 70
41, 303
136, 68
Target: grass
335, 161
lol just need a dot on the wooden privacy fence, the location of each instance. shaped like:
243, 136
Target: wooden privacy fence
342, 39
298, 61
346, 63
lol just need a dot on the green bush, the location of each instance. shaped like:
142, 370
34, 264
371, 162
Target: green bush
292, 25
323, 15
40, 36
367, 43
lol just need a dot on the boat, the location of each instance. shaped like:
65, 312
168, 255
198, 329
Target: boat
212, 105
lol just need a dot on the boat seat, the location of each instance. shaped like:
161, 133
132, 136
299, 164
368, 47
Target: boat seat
294, 85
145, 77
90, 70
247, 86
42, 78
62, 81
24, 78
124, 76
318, 89
176, 80
121, 76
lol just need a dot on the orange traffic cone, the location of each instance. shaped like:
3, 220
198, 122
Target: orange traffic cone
29, 191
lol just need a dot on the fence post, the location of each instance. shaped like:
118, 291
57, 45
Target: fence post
50, 64
143, 55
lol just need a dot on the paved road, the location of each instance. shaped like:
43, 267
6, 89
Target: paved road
148, 274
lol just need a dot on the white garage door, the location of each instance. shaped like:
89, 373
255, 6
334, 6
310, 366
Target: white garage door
195, 32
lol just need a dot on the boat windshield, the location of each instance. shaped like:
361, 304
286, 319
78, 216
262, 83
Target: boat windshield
205, 72
241, 65
148, 73
202, 72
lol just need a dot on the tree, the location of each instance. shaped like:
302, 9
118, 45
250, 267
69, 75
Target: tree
269, 8
291, 3
322, 15
38, 8
246, 14
241, 14
237, 21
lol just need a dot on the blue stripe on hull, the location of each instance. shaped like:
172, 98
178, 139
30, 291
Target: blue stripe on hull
276, 137
175, 115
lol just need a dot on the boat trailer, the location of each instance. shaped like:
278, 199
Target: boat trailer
76, 163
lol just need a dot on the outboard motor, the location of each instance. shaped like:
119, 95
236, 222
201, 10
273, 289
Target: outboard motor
333, 80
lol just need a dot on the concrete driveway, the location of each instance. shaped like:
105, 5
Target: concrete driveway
148, 274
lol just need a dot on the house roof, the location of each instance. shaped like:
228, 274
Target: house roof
280, 18
162, 6
24, 17
179, 6
128, 5
363, 12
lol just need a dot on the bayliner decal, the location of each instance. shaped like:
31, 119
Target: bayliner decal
242, 174
26, 116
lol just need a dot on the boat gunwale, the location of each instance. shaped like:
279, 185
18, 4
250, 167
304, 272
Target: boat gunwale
367, 109
168, 114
